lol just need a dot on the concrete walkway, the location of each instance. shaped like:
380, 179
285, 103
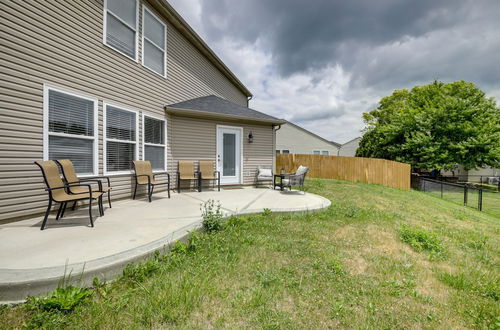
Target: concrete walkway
33, 262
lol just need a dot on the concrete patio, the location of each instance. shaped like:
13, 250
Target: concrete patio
33, 262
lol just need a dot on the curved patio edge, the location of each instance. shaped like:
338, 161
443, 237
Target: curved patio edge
18, 284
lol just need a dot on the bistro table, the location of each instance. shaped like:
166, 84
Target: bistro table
280, 184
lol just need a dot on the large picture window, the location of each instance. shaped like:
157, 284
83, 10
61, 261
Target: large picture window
70, 129
153, 42
154, 142
120, 26
120, 139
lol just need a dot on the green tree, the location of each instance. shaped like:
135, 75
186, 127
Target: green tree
435, 126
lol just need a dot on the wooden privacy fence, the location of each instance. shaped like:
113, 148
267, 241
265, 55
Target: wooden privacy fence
356, 169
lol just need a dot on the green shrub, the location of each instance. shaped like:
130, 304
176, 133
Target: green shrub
63, 299
212, 216
421, 239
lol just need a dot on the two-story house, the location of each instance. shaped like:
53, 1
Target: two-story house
105, 82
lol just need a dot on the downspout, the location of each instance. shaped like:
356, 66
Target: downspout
248, 100
274, 145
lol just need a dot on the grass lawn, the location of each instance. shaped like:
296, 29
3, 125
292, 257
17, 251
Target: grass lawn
377, 258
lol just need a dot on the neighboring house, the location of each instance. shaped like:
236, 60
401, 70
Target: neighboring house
105, 82
293, 139
349, 148
474, 175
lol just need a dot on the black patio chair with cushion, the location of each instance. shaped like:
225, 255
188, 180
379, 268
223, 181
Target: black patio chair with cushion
58, 191
144, 176
296, 179
69, 173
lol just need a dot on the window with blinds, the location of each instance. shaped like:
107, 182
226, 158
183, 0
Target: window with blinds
121, 138
154, 142
121, 26
154, 33
70, 130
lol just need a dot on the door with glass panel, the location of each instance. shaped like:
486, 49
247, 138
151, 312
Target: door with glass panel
229, 154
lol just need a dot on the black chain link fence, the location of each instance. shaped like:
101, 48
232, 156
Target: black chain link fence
460, 193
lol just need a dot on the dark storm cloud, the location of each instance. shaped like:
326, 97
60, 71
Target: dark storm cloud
322, 63
305, 35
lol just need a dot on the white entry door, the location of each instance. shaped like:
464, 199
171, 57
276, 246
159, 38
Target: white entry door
229, 154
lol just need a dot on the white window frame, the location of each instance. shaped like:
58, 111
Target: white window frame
46, 133
105, 137
164, 75
144, 115
136, 29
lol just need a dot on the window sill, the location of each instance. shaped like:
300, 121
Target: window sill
118, 173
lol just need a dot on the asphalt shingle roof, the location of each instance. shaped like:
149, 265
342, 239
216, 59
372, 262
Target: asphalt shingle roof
216, 105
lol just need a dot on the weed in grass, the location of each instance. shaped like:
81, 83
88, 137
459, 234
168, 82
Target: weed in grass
139, 272
63, 299
47, 320
421, 239
100, 287
473, 282
212, 216
266, 212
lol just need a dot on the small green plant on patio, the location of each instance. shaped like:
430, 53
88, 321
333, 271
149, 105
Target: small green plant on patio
212, 216
63, 299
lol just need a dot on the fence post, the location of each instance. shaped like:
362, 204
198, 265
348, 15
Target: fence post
441, 189
480, 200
465, 195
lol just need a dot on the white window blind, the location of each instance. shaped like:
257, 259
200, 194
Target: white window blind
154, 142
71, 132
154, 44
121, 26
121, 139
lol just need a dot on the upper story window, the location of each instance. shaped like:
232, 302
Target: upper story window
154, 142
70, 129
285, 151
325, 152
120, 139
316, 152
153, 42
120, 26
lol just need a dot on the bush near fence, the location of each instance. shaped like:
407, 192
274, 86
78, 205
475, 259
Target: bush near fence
355, 169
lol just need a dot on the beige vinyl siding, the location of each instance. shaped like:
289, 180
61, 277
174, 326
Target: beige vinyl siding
59, 43
195, 139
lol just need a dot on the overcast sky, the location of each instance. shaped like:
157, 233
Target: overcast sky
322, 63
